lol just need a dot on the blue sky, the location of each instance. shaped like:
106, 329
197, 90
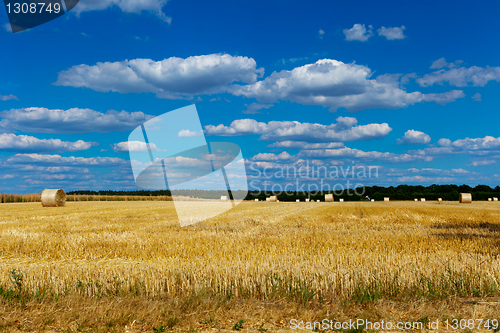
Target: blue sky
408, 87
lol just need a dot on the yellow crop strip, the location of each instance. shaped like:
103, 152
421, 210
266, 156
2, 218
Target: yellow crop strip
258, 250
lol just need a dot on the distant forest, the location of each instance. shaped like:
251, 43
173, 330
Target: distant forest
401, 192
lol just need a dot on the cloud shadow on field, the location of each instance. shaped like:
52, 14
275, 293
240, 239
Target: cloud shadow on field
469, 231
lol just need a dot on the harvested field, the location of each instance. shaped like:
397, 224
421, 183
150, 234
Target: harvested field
130, 266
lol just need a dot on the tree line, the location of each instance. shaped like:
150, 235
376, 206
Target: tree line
401, 192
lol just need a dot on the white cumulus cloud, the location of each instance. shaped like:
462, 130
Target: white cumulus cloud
356, 154
45, 159
392, 33
444, 142
329, 83
340, 155
254, 108
486, 143
487, 147
413, 137
334, 84
476, 163
358, 32
43, 120
170, 78
301, 145
345, 130
12, 142
8, 97
445, 97
133, 147
440, 63
459, 76
284, 156
189, 134
127, 6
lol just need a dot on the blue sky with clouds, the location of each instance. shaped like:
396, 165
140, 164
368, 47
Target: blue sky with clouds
411, 88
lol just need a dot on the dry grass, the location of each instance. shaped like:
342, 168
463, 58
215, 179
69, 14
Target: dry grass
36, 197
106, 265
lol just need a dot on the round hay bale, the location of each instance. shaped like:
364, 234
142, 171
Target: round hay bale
273, 198
341, 200
328, 197
256, 199
415, 199
465, 198
297, 200
440, 199
53, 198
386, 198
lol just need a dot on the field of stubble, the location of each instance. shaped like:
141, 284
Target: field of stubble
118, 266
